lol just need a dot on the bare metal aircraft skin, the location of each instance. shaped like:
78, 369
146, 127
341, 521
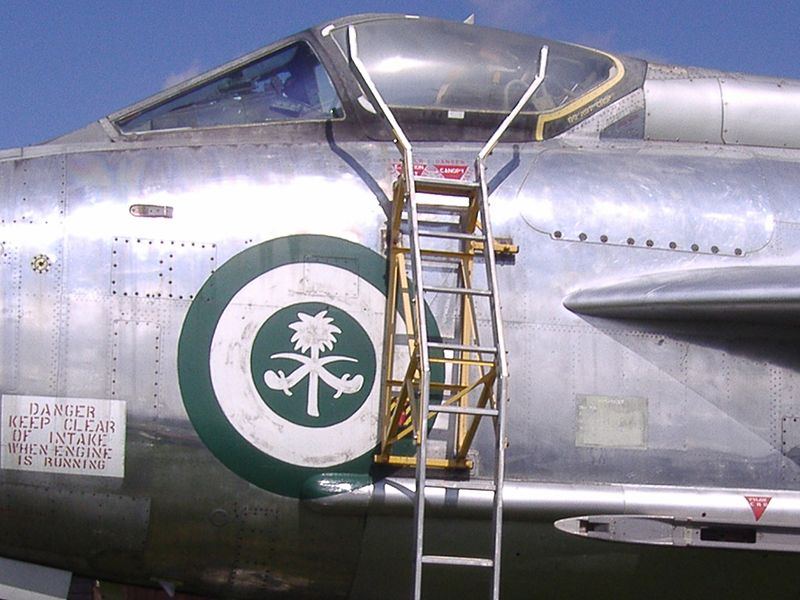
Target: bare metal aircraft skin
192, 327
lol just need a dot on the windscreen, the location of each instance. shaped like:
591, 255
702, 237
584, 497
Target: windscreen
289, 84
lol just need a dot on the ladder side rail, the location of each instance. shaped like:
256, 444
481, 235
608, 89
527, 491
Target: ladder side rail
403, 144
421, 418
537, 81
501, 399
501, 364
393, 230
491, 276
364, 79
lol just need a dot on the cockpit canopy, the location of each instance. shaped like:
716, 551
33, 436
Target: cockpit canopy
445, 72
431, 64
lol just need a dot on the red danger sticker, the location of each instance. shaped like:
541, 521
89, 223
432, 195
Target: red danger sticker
758, 504
419, 168
451, 171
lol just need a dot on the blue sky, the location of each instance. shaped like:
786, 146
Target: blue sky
65, 63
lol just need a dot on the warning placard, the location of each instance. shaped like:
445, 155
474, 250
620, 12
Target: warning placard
758, 504
78, 436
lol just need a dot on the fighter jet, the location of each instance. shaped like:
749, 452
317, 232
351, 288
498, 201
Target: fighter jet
404, 308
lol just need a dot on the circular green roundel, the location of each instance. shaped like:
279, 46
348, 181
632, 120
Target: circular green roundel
279, 360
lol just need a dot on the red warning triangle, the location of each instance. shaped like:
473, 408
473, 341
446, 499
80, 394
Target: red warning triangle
758, 504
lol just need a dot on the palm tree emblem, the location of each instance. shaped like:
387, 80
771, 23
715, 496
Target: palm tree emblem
313, 335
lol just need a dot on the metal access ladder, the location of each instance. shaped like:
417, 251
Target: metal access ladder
448, 231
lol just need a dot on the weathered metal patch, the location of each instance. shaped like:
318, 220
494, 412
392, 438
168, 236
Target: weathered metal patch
695, 203
73, 436
611, 422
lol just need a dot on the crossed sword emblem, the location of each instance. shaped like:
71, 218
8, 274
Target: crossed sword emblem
313, 334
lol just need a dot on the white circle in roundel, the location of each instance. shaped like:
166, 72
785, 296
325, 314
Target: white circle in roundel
233, 382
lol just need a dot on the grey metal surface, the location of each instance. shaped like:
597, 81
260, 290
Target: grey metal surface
527, 500
656, 197
94, 299
683, 111
756, 116
694, 105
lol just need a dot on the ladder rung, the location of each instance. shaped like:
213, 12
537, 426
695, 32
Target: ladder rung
451, 387
432, 463
450, 235
462, 348
425, 217
458, 561
445, 226
445, 187
452, 254
472, 362
455, 210
457, 290
456, 387
463, 410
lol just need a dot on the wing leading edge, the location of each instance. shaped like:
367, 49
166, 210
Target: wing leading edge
747, 293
